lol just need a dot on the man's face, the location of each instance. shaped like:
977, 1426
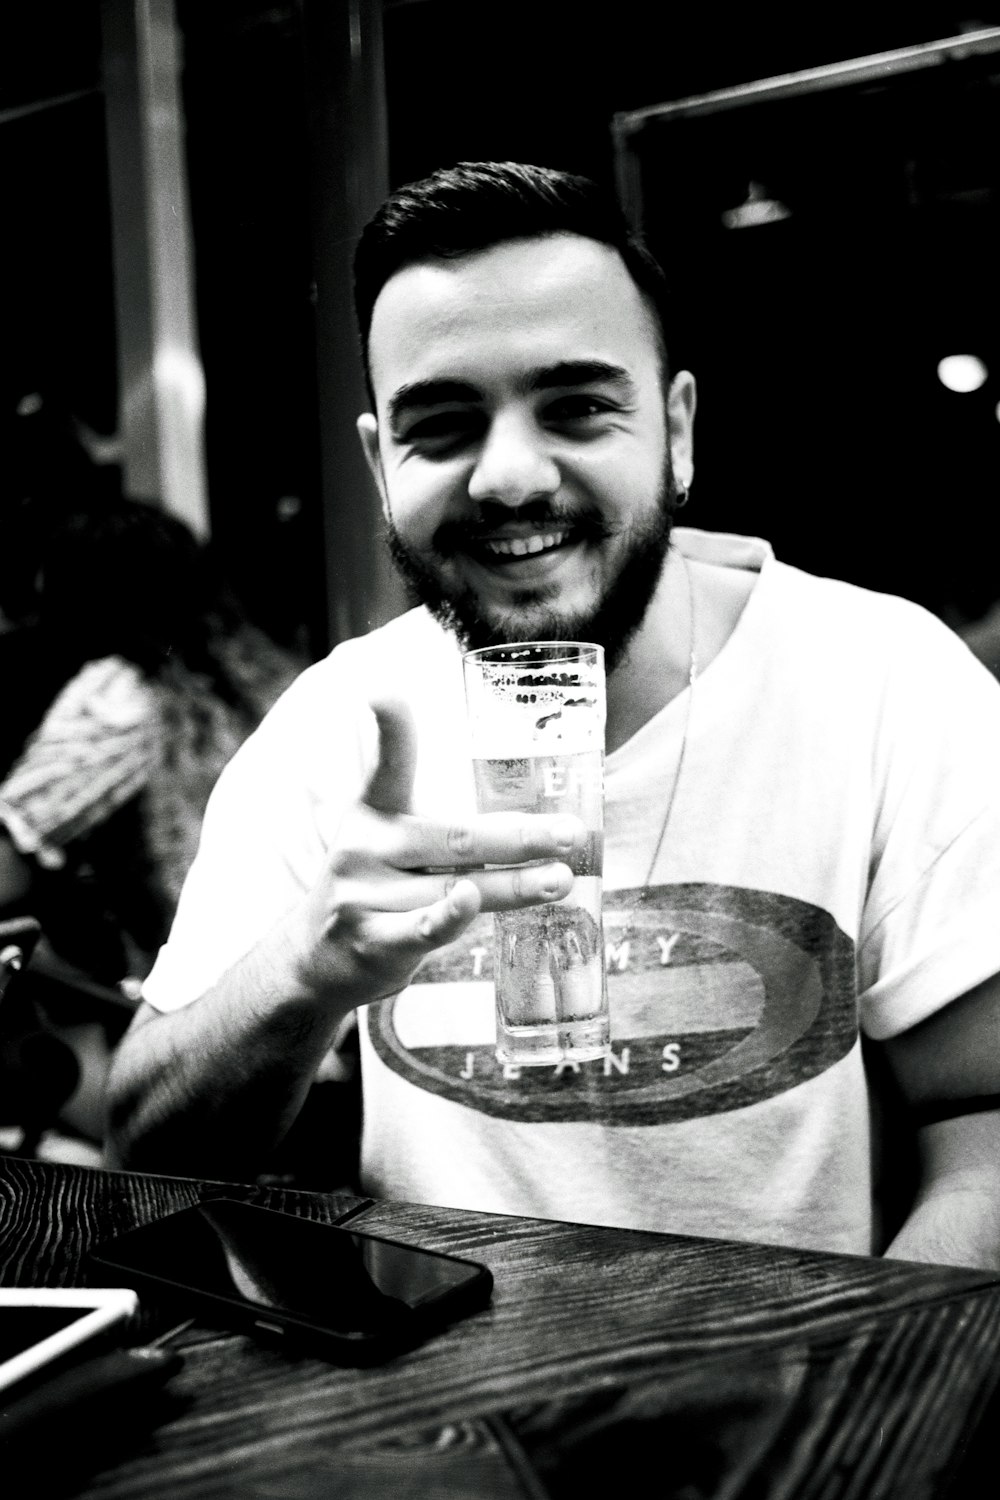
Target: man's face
521, 444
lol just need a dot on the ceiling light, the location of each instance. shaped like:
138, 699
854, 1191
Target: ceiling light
758, 207
962, 372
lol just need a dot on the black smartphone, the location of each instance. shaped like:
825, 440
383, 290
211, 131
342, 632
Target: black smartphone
355, 1298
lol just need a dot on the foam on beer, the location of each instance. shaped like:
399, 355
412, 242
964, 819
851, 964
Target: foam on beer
515, 716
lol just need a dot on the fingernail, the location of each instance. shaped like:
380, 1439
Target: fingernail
564, 830
556, 886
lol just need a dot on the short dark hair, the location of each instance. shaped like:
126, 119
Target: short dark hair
475, 205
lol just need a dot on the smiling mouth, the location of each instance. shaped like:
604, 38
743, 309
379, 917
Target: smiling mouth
500, 548
532, 537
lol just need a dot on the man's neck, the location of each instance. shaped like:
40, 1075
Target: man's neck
657, 665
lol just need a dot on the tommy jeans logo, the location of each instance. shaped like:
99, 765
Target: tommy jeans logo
719, 996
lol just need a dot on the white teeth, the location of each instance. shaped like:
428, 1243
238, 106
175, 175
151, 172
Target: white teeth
524, 546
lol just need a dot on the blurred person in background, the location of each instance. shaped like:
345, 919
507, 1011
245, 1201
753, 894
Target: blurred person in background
129, 677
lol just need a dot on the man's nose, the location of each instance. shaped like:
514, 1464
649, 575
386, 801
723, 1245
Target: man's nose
514, 464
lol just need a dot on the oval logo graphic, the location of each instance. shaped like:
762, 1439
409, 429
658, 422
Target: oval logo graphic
720, 997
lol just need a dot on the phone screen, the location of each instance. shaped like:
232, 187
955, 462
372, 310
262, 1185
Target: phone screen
348, 1283
41, 1325
23, 1327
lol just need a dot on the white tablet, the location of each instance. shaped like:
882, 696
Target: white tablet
40, 1324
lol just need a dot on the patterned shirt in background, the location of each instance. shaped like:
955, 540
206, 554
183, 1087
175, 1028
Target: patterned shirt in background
115, 739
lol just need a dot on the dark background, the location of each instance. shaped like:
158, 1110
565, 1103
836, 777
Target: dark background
815, 340
55, 248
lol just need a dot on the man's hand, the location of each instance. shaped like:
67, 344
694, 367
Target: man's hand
210, 1087
397, 886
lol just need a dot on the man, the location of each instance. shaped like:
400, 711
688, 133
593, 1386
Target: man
803, 840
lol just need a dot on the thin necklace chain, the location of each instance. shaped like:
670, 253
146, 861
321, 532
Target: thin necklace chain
692, 677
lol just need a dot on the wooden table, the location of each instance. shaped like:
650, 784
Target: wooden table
610, 1363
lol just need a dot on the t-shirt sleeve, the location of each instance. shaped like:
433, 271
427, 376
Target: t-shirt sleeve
95, 749
267, 828
931, 930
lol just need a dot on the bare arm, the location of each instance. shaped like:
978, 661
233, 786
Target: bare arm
950, 1067
15, 873
210, 1088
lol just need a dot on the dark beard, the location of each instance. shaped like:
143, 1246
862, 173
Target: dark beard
612, 625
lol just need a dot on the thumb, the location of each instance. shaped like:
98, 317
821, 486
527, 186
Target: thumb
390, 785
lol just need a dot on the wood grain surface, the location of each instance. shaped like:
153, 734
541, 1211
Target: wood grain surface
608, 1361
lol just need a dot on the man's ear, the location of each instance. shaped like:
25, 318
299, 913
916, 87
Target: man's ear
368, 433
682, 399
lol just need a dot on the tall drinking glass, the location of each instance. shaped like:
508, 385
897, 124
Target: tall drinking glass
536, 716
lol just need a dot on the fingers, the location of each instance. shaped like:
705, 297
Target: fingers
444, 920
365, 955
398, 886
403, 940
390, 785
370, 950
497, 890
487, 839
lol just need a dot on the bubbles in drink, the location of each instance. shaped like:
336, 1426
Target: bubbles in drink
550, 964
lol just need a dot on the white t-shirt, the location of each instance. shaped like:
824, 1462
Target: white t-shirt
831, 864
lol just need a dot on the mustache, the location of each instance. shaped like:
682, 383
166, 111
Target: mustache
459, 535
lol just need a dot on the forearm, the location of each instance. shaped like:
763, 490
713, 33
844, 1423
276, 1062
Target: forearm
15, 873
955, 1219
961, 1228
210, 1089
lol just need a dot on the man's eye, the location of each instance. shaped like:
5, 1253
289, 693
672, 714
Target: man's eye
569, 409
444, 430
